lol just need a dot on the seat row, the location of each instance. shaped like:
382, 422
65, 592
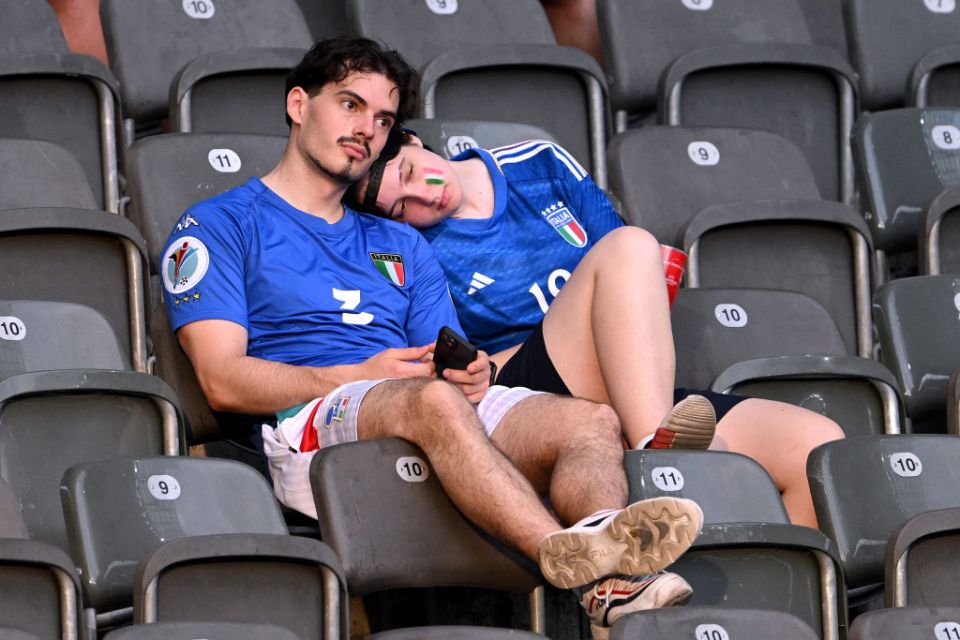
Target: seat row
173, 539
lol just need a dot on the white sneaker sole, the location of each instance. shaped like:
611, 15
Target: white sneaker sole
643, 538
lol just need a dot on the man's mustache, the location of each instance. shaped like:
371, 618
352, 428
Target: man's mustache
362, 143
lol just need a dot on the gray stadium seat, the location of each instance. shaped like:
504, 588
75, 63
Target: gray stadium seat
70, 100
149, 42
805, 94
888, 38
778, 567
560, 89
421, 31
865, 488
81, 256
664, 176
496, 61
455, 632
29, 27
119, 511
11, 518
940, 240
934, 78
39, 592
745, 63
52, 420
205, 630
40, 335
39, 76
917, 321
450, 137
939, 623
859, 394
904, 158
283, 580
326, 18
921, 561
711, 623
716, 328
393, 527
37, 173
729, 487
169, 173
233, 92
818, 248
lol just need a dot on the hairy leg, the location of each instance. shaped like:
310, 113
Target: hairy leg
780, 437
608, 331
568, 449
483, 484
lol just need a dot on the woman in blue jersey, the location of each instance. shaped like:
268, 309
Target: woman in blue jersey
513, 225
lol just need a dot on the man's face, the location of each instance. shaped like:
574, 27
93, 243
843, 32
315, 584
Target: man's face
344, 126
418, 187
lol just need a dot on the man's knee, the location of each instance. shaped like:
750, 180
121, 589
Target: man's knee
438, 406
590, 422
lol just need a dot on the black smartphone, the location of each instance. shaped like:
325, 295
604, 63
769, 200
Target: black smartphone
452, 351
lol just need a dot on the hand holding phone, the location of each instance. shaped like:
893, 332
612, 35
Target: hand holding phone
453, 351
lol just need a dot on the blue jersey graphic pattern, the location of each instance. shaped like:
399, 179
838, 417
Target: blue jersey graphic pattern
308, 292
505, 271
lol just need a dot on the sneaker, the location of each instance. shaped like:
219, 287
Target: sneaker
690, 424
616, 596
642, 538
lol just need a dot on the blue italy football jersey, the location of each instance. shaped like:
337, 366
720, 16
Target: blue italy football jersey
308, 292
505, 271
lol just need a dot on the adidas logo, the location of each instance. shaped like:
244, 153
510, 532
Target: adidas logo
479, 281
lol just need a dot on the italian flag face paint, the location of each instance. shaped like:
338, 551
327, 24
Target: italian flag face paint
433, 176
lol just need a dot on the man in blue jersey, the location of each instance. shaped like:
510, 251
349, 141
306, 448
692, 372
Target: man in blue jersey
289, 303
511, 227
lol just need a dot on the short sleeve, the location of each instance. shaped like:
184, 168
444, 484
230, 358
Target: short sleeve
202, 268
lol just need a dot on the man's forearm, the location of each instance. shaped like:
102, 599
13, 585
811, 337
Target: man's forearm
250, 385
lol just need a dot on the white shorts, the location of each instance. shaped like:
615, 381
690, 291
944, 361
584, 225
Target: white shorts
333, 420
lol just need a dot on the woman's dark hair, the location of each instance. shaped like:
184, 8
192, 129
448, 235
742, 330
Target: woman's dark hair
333, 60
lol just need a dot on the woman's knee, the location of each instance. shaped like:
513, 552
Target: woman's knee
630, 243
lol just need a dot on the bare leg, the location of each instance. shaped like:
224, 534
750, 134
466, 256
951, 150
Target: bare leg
575, 24
80, 23
608, 331
780, 437
568, 449
483, 484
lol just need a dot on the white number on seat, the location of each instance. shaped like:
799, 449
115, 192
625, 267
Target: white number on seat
442, 7
163, 487
906, 464
12, 328
199, 9
412, 469
351, 300
730, 315
224, 160
946, 137
710, 632
667, 478
703, 153
941, 6
698, 5
459, 144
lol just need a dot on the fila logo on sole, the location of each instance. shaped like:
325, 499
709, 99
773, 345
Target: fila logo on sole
479, 281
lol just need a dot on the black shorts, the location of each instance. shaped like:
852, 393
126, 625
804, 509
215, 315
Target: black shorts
531, 367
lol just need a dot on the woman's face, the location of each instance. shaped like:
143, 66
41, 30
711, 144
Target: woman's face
419, 187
